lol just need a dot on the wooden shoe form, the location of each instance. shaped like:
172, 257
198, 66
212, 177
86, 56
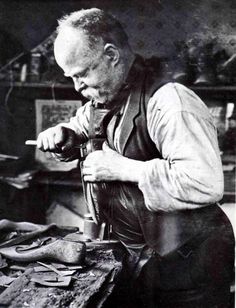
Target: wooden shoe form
60, 250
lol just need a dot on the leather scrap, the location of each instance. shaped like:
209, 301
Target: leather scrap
6, 280
62, 272
75, 267
3, 262
62, 266
6, 224
50, 267
22, 238
35, 244
53, 282
16, 267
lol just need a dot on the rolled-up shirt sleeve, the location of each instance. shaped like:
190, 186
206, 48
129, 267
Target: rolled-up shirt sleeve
189, 175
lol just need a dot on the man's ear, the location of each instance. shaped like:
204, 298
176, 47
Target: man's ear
112, 52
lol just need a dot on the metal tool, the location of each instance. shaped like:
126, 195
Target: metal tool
84, 148
8, 157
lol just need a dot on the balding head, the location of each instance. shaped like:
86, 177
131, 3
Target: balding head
96, 24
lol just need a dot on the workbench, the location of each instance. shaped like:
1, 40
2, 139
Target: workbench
91, 286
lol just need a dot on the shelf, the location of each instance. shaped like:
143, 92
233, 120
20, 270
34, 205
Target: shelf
224, 93
42, 90
36, 85
214, 88
49, 84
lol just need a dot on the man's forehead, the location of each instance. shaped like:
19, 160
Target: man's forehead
71, 45
69, 49
71, 40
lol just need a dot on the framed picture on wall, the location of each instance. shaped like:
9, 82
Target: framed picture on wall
50, 113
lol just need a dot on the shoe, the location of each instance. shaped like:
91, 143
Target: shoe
205, 66
60, 250
182, 70
226, 69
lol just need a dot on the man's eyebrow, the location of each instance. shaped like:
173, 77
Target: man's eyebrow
79, 73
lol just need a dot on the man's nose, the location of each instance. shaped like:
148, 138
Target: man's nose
78, 84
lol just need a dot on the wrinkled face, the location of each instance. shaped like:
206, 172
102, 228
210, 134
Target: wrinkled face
93, 71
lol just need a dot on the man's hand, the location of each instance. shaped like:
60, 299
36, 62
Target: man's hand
59, 141
108, 165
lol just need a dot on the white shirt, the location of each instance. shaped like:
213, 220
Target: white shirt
190, 174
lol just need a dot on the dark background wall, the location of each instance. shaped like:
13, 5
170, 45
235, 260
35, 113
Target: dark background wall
153, 26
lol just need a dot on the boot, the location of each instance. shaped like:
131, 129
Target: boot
226, 68
205, 67
182, 70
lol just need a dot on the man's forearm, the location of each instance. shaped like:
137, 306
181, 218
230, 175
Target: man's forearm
131, 170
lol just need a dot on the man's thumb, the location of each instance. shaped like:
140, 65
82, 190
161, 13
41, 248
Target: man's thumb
105, 147
69, 142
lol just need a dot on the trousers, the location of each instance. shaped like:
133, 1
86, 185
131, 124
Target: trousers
192, 276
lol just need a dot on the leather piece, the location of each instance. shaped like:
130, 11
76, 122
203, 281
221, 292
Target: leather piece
27, 236
53, 281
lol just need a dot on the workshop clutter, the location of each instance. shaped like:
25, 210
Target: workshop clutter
35, 66
201, 62
25, 242
64, 275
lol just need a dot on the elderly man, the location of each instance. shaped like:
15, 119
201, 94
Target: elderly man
157, 177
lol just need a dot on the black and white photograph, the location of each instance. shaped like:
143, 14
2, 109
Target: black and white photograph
117, 153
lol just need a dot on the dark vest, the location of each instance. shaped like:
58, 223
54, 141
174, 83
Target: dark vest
162, 231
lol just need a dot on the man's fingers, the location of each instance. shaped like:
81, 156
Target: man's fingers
88, 174
105, 147
59, 136
87, 163
93, 158
69, 141
56, 139
56, 157
45, 144
87, 170
51, 143
85, 166
39, 142
90, 178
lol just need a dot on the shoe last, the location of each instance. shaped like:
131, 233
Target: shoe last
60, 250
